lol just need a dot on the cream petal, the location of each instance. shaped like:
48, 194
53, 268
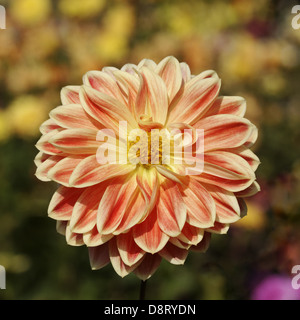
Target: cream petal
70, 95
89, 172
169, 70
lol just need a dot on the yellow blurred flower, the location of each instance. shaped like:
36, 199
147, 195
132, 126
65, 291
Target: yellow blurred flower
40, 42
25, 114
111, 44
179, 20
30, 12
241, 58
25, 76
81, 9
255, 218
5, 129
110, 47
120, 20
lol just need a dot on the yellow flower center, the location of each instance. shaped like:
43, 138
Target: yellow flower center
149, 147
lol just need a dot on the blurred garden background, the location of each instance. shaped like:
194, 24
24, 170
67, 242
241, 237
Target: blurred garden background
256, 52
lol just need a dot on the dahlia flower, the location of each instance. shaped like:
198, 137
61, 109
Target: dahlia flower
134, 213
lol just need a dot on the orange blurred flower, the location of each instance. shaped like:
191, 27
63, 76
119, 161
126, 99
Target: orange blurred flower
135, 213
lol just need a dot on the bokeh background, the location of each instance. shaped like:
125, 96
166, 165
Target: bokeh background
254, 49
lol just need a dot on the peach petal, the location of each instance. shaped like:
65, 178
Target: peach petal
63, 169
93, 238
62, 203
152, 98
171, 209
99, 256
119, 266
200, 204
129, 251
84, 215
169, 70
227, 105
43, 168
148, 235
173, 254
76, 141
224, 131
113, 203
105, 109
70, 95
198, 94
148, 266
73, 116
89, 172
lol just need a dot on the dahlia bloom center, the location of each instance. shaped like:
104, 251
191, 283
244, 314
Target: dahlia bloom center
149, 148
